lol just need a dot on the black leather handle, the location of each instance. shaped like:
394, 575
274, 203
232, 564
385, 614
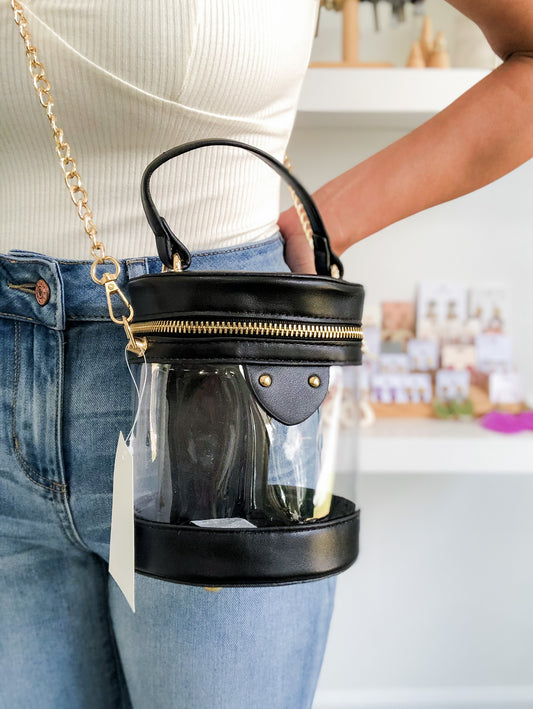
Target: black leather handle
168, 243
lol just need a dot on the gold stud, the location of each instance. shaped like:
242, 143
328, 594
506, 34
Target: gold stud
265, 380
314, 381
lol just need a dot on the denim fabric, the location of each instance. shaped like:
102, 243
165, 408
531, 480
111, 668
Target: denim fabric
67, 637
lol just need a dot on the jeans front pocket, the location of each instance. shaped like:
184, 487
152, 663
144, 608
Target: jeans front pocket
36, 407
7, 367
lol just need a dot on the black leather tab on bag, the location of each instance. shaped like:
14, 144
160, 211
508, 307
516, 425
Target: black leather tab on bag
290, 394
168, 245
269, 556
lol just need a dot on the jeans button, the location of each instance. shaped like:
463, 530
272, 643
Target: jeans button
42, 292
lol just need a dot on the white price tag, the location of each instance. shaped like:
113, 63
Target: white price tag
423, 355
459, 357
122, 544
506, 388
452, 384
494, 353
394, 363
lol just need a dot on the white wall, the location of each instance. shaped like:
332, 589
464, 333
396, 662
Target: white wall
438, 610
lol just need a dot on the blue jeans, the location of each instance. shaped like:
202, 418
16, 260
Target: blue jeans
68, 639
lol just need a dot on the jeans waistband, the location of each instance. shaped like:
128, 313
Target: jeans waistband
41, 289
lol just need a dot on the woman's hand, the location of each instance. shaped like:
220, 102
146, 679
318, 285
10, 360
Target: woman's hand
298, 251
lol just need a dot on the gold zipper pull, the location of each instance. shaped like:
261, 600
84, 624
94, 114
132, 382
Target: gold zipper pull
139, 345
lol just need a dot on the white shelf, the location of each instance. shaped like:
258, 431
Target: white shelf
379, 98
431, 446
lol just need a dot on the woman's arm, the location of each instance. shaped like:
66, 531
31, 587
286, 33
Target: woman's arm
484, 134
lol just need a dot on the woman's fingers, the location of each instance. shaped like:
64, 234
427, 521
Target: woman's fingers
298, 252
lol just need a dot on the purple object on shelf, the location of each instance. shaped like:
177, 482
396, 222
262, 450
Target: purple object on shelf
527, 420
503, 422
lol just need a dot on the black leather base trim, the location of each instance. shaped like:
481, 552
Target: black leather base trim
269, 556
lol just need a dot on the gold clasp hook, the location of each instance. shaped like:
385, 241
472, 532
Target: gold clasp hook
105, 277
109, 281
111, 288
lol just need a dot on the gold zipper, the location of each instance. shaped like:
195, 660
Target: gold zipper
248, 328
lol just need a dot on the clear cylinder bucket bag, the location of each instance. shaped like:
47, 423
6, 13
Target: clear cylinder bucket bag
245, 380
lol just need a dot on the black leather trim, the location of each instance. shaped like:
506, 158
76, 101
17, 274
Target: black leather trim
252, 351
212, 294
215, 295
269, 556
288, 397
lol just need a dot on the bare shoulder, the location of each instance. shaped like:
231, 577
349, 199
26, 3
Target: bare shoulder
507, 24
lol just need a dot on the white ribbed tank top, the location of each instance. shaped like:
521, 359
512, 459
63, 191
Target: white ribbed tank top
130, 79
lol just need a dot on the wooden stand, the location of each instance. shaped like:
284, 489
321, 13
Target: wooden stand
477, 395
410, 411
426, 39
416, 58
439, 57
350, 40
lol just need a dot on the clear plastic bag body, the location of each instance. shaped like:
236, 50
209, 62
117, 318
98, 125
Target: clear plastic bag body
206, 452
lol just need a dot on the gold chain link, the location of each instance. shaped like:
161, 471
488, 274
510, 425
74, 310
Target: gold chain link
71, 176
300, 211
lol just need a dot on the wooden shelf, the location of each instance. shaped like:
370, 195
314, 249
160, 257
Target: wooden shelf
379, 98
430, 446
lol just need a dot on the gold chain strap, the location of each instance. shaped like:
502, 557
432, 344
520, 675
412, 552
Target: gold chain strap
71, 175
78, 193
300, 211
